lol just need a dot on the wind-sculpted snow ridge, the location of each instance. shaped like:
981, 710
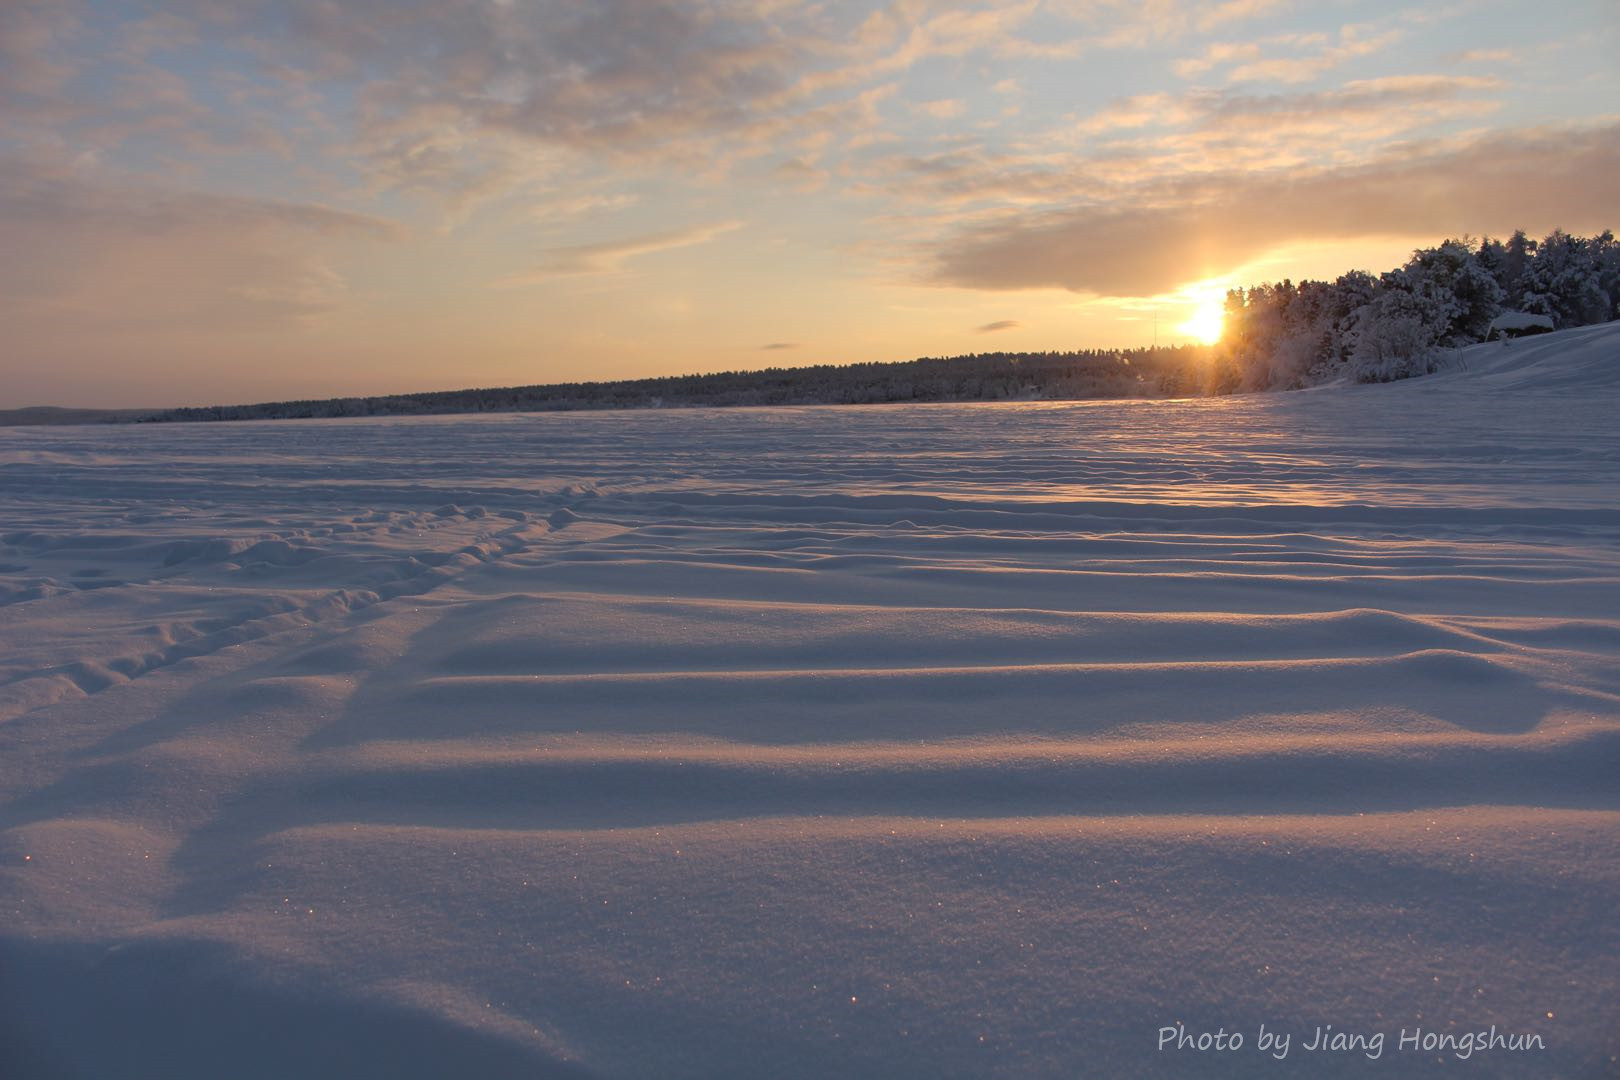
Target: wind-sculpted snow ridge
900, 741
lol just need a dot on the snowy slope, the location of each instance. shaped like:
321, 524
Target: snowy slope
977, 740
1568, 360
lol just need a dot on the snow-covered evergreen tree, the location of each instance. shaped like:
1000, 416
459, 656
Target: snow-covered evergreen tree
1565, 280
1394, 336
1451, 280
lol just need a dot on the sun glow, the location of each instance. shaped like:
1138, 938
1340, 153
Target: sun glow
1207, 321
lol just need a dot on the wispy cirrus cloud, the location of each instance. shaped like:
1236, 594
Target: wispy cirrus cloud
1354, 42
1214, 55
553, 207
1121, 152
1385, 105
1131, 24
610, 257
1494, 57
1159, 109
1296, 57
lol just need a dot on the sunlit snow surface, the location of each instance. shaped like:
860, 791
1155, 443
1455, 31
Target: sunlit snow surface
908, 741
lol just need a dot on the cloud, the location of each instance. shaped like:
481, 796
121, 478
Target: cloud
1140, 110
90, 81
463, 103
896, 37
33, 61
1354, 42
998, 325
1385, 104
106, 251
466, 100
610, 257
943, 109
1122, 24
1194, 228
799, 174
608, 72
1487, 56
1306, 55
460, 101
777, 346
627, 77
569, 207
1119, 154
1221, 52
1235, 11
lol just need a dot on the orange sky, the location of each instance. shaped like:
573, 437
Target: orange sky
230, 202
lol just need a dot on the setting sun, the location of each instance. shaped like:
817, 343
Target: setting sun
1206, 322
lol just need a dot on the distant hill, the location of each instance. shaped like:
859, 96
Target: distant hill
38, 415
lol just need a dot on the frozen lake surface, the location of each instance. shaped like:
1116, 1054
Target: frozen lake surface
980, 740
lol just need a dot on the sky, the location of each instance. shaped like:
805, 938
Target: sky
216, 202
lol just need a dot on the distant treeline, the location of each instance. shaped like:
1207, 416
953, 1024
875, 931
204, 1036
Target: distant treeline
1000, 376
1399, 324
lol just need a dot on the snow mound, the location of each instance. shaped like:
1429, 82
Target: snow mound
1519, 320
1586, 356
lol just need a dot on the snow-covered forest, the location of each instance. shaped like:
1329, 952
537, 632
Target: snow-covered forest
1001, 376
1402, 323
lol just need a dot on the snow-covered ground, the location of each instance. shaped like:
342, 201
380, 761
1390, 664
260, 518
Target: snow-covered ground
981, 740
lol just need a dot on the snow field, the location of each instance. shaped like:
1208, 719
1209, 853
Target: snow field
895, 741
